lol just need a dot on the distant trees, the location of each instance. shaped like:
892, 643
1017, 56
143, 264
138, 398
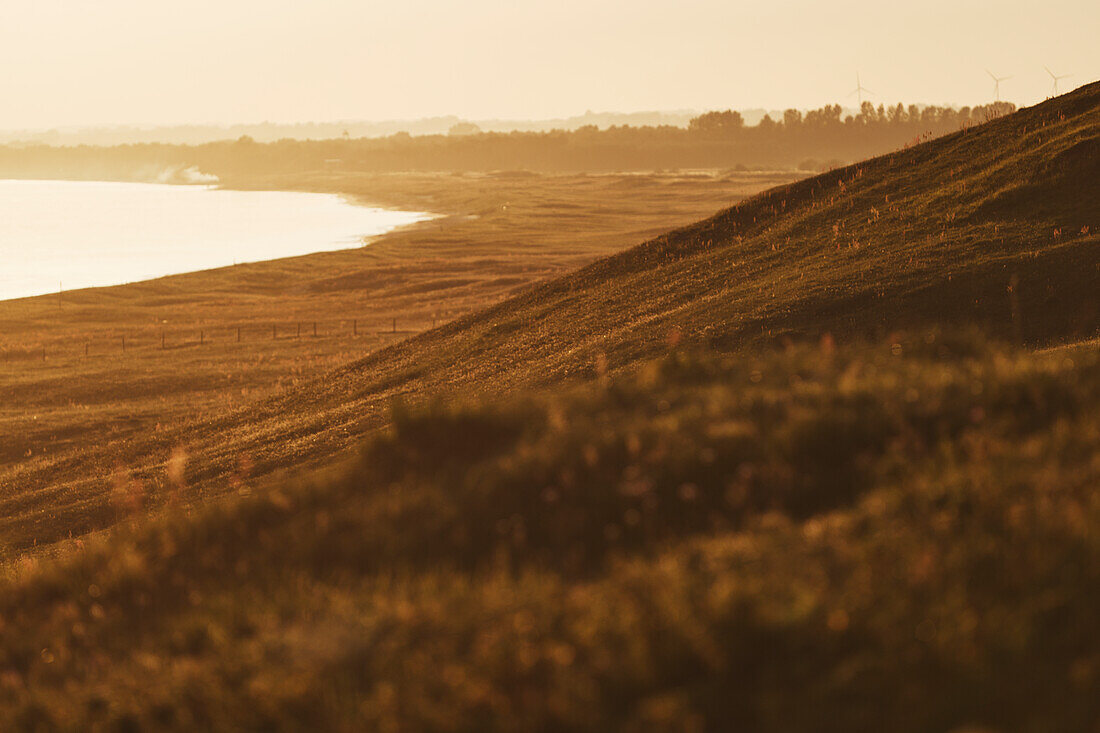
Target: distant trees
717, 122
942, 119
810, 140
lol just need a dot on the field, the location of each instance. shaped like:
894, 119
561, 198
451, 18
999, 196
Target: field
65, 414
826, 460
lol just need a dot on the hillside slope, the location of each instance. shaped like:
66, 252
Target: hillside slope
998, 226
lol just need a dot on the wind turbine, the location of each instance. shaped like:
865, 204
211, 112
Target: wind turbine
997, 84
1056, 78
859, 90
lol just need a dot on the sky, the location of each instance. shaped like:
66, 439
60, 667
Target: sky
92, 62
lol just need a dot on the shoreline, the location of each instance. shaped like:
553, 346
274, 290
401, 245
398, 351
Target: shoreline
158, 261
115, 378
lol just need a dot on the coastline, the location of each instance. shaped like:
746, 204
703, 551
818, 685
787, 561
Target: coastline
154, 233
119, 376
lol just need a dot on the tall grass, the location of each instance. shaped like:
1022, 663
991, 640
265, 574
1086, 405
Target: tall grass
887, 536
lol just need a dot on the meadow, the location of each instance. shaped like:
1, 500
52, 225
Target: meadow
824, 460
992, 226
74, 405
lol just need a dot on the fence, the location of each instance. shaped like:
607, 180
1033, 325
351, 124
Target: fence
167, 339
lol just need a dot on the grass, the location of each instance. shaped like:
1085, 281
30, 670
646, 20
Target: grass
68, 422
893, 534
826, 460
932, 235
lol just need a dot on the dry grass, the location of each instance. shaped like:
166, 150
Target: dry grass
701, 484
69, 417
888, 536
942, 233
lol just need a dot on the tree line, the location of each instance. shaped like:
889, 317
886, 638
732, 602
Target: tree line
811, 140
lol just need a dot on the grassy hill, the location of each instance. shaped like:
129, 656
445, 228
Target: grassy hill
995, 226
798, 466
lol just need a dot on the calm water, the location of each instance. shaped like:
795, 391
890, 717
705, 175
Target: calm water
82, 234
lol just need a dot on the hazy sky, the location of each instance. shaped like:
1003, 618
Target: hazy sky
75, 62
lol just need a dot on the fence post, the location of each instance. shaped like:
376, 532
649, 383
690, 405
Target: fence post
202, 337
162, 340
123, 344
355, 327
273, 331
315, 329
238, 334
299, 330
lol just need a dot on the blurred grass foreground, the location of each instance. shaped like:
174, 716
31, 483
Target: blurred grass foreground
874, 536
